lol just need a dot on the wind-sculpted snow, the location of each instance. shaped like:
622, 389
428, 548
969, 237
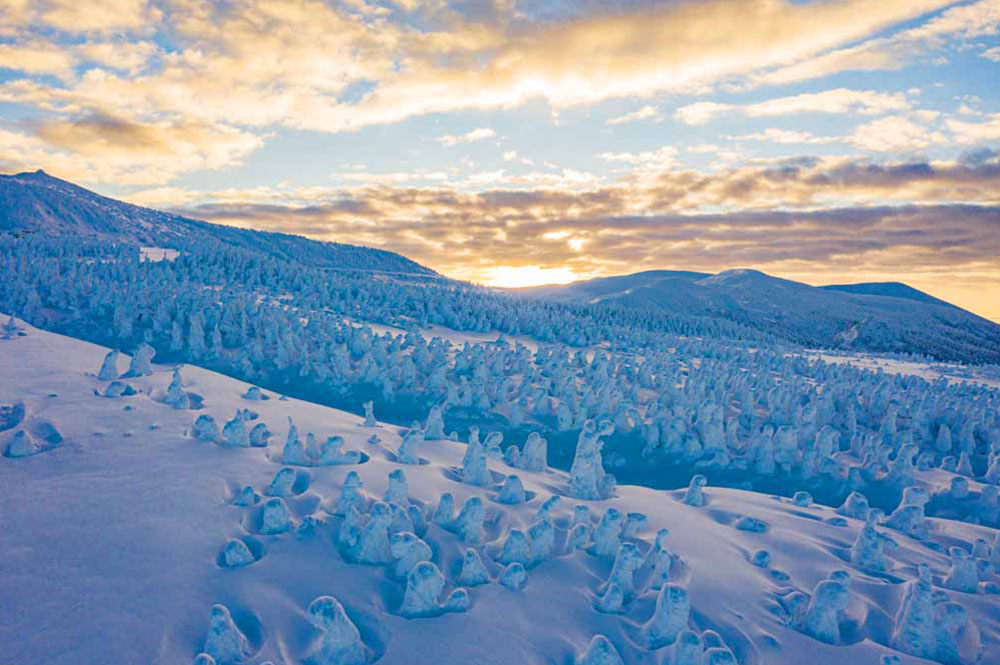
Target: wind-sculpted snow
880, 543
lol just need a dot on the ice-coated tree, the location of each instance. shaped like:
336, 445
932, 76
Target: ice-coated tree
600, 651
397, 490
544, 512
332, 453
473, 572
673, 609
340, 643
514, 576
444, 513
281, 484
259, 435
294, 452
205, 428
914, 632
823, 615
109, 368
607, 536
176, 395
409, 450
349, 532
870, 546
350, 494
963, 575
580, 536
534, 456
22, 444
612, 601
474, 468
457, 601
543, 537
516, 548
950, 617
275, 518
373, 543
694, 496
10, 329
424, 585
434, 427
688, 649
234, 432
370, 421
254, 394
246, 497
225, 642
236, 553
628, 560
855, 505
408, 550
512, 491
142, 361
718, 656
587, 471
634, 523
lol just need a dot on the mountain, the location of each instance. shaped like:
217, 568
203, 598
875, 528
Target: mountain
39, 203
890, 317
891, 289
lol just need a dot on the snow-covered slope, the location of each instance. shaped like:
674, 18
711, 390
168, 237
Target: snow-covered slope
869, 317
113, 533
39, 203
890, 289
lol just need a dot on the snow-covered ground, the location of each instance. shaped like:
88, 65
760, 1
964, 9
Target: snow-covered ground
928, 370
158, 254
111, 541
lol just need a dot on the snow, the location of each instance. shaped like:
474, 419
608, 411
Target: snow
931, 371
113, 536
158, 254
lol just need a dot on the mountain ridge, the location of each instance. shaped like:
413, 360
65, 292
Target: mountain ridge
37, 202
882, 317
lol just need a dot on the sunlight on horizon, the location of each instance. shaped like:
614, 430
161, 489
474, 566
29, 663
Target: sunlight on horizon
515, 277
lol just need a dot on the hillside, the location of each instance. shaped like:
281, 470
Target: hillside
39, 203
139, 512
870, 317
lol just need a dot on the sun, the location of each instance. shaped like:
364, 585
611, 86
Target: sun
513, 277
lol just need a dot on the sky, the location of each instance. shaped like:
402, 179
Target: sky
514, 142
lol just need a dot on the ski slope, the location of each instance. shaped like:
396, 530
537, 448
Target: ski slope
112, 535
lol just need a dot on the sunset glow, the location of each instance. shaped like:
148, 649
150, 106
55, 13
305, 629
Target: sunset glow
813, 140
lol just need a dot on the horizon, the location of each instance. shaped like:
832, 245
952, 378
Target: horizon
532, 277
808, 140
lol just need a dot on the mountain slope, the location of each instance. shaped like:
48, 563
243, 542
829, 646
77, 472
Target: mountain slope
39, 203
871, 317
130, 511
891, 289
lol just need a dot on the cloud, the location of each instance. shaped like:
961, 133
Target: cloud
78, 16
312, 65
975, 132
639, 114
36, 57
991, 54
108, 149
469, 137
834, 216
659, 158
787, 136
839, 100
964, 22
895, 134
